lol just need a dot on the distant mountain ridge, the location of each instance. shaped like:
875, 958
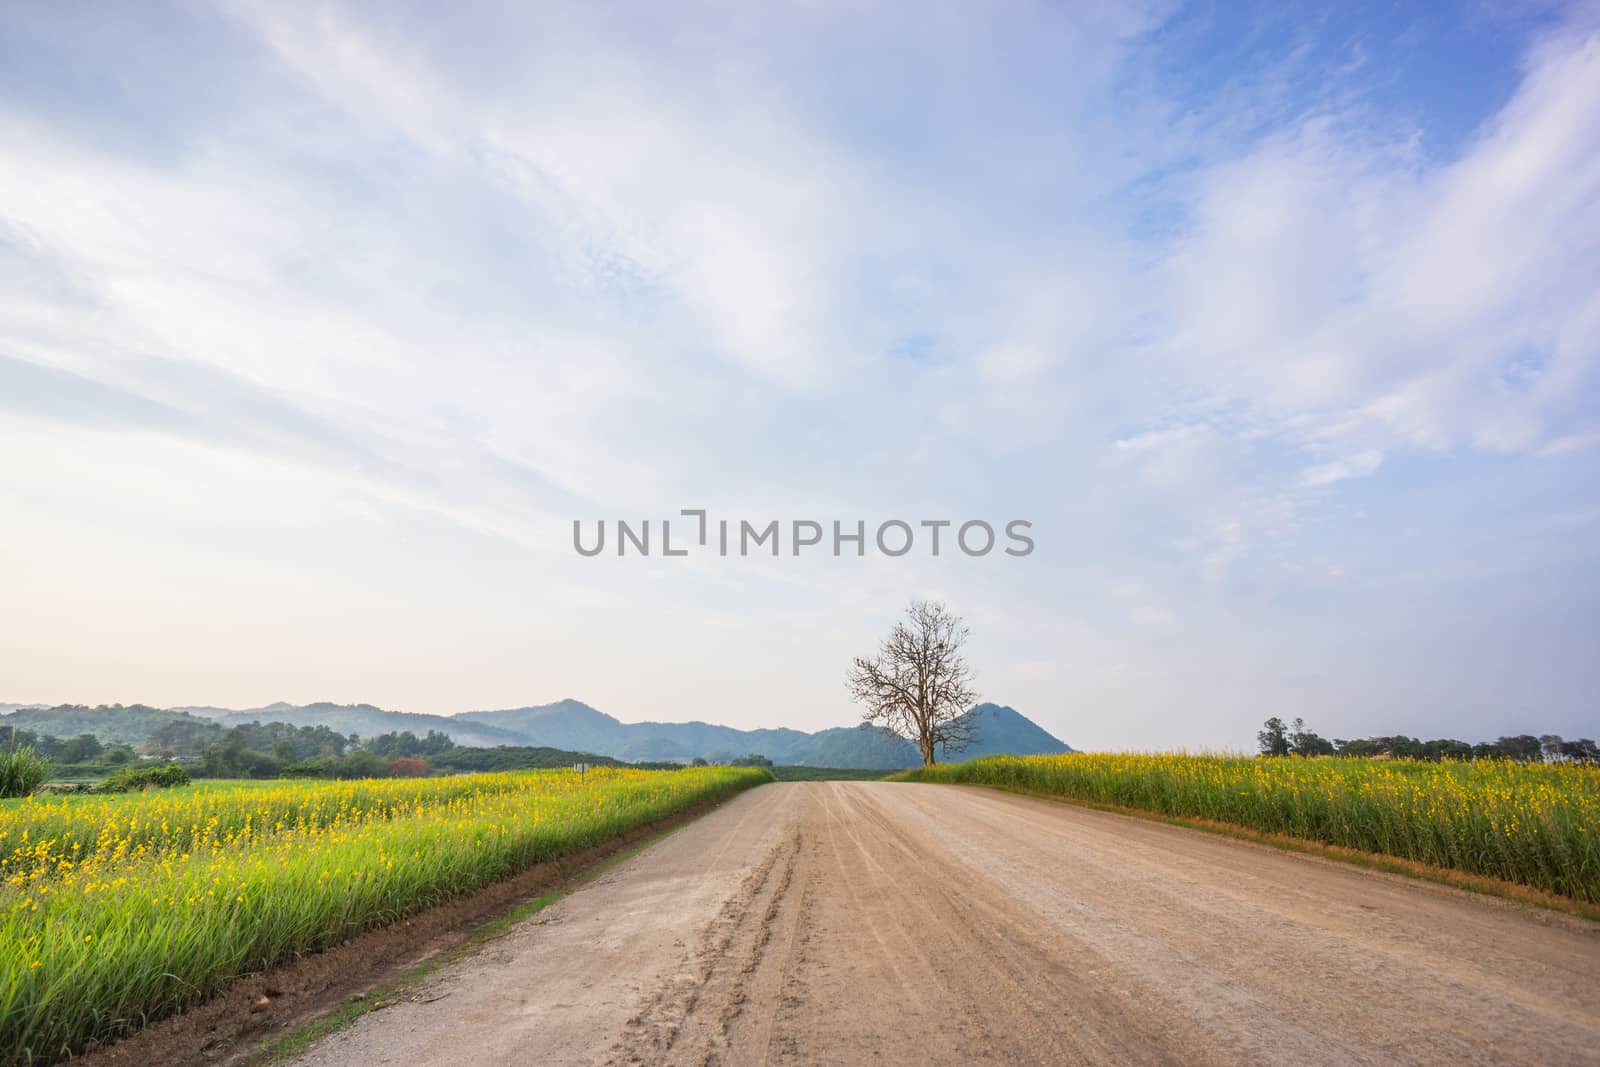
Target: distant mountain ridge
366, 720
119, 724
577, 725
574, 724
1005, 731
571, 724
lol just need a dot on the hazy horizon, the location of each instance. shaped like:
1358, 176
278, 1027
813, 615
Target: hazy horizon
320, 326
1242, 744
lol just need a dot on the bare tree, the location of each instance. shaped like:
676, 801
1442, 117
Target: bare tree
918, 686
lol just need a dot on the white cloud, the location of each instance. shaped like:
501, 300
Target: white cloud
1348, 289
1357, 466
557, 263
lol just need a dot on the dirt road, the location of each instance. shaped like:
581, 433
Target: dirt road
857, 922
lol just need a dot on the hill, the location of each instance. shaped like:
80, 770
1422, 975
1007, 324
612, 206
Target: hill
567, 725
572, 724
1005, 731
113, 724
862, 747
369, 721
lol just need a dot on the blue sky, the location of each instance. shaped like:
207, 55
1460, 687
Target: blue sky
320, 323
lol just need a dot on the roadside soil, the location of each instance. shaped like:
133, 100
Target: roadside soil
853, 922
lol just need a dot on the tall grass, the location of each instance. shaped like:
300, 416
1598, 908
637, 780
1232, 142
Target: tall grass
1535, 824
22, 771
115, 911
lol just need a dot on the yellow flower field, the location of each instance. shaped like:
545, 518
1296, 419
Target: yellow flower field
1535, 824
115, 910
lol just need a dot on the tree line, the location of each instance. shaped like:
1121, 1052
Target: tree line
1296, 739
282, 750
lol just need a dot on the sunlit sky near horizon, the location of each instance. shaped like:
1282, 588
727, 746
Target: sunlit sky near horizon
320, 323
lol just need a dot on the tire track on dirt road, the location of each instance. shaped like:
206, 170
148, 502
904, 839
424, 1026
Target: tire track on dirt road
689, 1017
880, 922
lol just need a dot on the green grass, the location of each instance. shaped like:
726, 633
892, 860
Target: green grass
116, 910
1533, 825
826, 774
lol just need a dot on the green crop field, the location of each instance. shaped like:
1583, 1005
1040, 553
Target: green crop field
1534, 824
826, 774
119, 909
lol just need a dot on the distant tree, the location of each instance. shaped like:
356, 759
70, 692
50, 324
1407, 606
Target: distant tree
214, 763
698, 762
522, 757
46, 745
1402, 747
1582, 750
117, 755
752, 760
918, 685
437, 743
138, 779
1447, 748
182, 737
81, 749
1273, 738
259, 764
1303, 742
1523, 748
389, 745
359, 764
406, 743
408, 767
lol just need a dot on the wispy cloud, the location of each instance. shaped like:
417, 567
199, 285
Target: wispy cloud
1240, 309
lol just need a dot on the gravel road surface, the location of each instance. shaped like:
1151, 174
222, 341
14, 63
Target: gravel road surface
870, 922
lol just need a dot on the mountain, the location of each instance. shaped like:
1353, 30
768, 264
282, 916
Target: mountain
1001, 731
1004, 731
863, 747
205, 712
369, 721
564, 724
567, 724
113, 724
574, 724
